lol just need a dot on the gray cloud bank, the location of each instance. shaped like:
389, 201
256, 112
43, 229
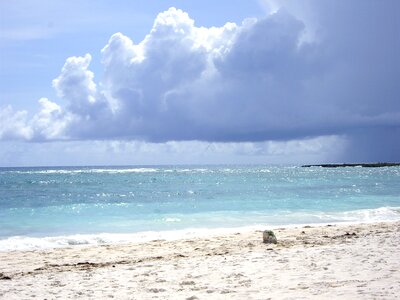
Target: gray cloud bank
330, 69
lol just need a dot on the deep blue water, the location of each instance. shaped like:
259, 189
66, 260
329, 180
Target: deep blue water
45, 204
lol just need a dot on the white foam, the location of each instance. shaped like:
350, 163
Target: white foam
20, 243
111, 171
86, 171
382, 214
172, 220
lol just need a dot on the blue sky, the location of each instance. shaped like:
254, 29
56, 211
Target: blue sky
38, 35
149, 82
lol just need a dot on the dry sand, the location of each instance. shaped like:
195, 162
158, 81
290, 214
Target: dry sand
337, 262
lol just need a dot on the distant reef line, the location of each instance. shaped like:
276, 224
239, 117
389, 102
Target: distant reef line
364, 165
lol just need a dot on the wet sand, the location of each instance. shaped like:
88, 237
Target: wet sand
359, 261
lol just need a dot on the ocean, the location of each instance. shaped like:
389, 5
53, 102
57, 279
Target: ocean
47, 207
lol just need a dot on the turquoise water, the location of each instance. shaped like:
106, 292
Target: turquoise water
41, 207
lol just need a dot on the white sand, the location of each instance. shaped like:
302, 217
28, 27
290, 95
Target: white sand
323, 262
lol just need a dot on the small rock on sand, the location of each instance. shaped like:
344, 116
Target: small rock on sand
269, 237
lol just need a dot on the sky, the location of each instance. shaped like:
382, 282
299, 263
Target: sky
199, 82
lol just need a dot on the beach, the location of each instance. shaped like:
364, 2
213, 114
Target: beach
357, 261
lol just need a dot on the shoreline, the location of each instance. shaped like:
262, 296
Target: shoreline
357, 261
38, 243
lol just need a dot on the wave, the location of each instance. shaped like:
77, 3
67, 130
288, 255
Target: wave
381, 214
88, 171
112, 170
23, 243
260, 221
109, 171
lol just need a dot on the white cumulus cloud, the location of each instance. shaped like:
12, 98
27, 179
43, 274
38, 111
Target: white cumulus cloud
13, 125
329, 70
